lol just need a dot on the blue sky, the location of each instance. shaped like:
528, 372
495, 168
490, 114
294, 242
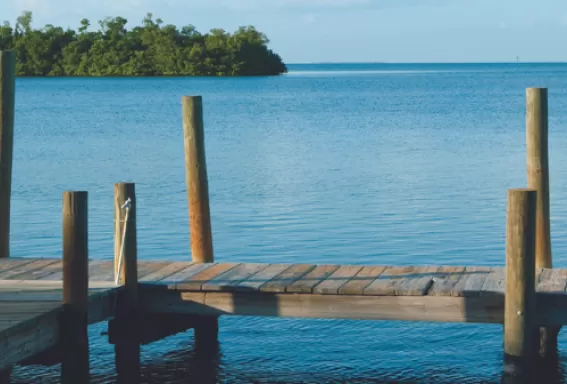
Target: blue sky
350, 30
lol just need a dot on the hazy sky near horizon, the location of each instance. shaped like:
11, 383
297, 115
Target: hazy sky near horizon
303, 31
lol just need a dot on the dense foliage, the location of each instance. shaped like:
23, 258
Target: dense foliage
153, 49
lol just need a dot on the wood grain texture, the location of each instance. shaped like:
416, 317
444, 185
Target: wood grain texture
552, 280
286, 278
406, 280
445, 280
262, 277
307, 282
165, 271
27, 267
411, 308
332, 284
361, 280
196, 281
232, 277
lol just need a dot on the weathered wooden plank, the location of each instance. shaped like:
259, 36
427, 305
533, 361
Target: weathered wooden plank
165, 271
196, 281
552, 280
7, 264
306, 283
361, 280
27, 267
254, 282
286, 278
186, 273
387, 283
495, 283
334, 282
229, 279
417, 283
101, 270
470, 284
414, 308
27, 338
147, 267
39, 273
445, 279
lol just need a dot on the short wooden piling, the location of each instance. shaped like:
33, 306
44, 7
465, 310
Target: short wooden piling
537, 161
124, 331
73, 334
519, 308
7, 112
206, 332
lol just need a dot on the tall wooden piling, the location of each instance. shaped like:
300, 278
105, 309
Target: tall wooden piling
206, 328
537, 161
73, 335
538, 169
7, 112
519, 308
124, 331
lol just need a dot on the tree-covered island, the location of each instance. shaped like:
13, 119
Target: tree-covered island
153, 49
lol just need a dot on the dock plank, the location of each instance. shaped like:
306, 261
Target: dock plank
186, 273
361, 280
495, 283
334, 282
196, 281
47, 270
101, 270
445, 279
470, 284
286, 278
165, 271
27, 267
552, 280
417, 283
254, 282
389, 281
147, 267
228, 280
317, 275
9, 263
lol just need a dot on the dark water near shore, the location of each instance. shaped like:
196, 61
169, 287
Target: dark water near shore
361, 164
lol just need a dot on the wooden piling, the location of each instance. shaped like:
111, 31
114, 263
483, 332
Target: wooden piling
197, 182
73, 334
206, 328
519, 308
538, 169
7, 112
537, 161
124, 328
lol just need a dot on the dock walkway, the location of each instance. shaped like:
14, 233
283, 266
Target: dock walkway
31, 303
30, 294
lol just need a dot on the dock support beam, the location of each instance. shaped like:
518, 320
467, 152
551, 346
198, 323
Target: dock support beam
206, 328
520, 325
537, 161
7, 112
124, 330
74, 322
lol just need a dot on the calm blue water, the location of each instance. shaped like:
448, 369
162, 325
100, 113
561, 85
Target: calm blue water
358, 163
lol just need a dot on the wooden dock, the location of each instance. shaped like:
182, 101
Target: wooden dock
430, 293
